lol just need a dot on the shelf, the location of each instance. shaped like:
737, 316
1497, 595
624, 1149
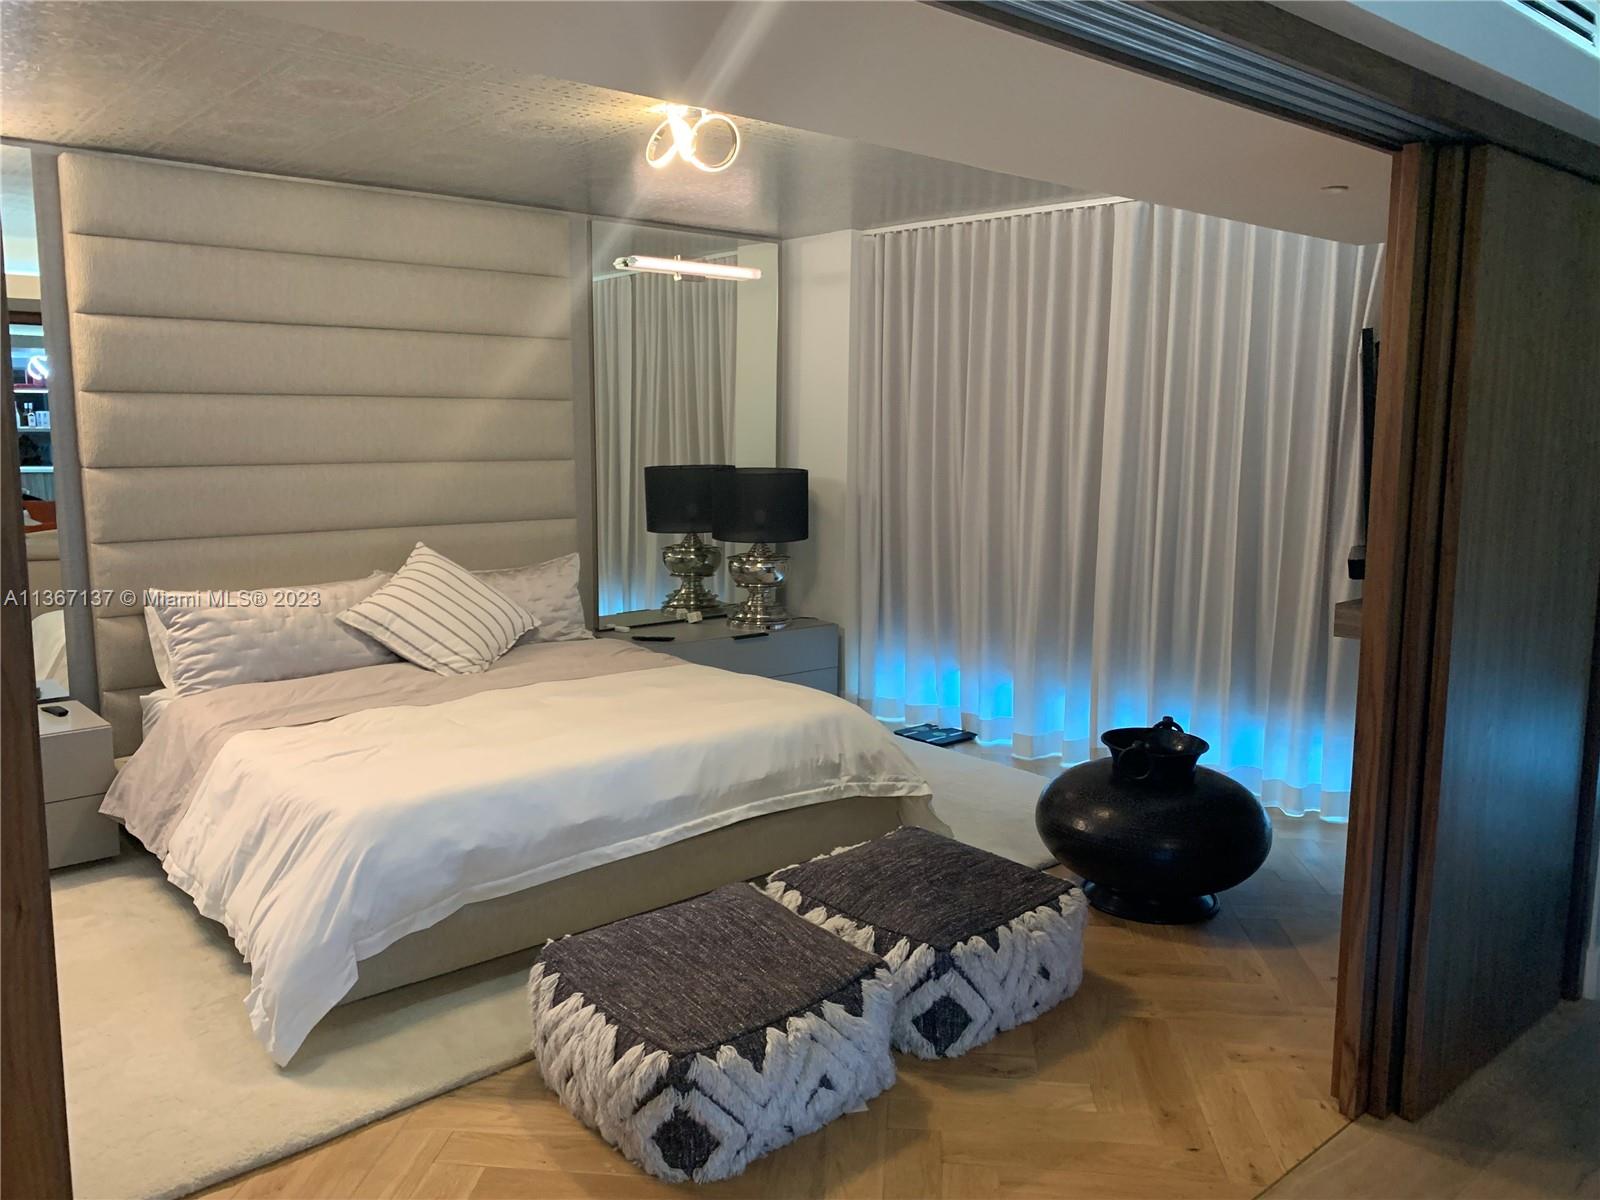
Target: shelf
37, 470
1347, 618
30, 391
33, 428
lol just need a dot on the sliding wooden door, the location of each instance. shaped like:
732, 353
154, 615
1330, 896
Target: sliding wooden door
1479, 624
1520, 565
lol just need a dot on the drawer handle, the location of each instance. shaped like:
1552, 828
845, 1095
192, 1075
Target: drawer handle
745, 637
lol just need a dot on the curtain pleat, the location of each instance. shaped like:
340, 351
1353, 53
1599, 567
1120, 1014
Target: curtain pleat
664, 394
1106, 467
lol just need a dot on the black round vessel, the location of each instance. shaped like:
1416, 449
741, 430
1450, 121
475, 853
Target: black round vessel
1153, 835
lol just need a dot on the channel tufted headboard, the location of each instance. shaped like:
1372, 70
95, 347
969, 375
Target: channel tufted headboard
282, 381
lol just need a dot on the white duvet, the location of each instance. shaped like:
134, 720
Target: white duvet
319, 845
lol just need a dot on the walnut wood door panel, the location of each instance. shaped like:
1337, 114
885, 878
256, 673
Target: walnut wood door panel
1518, 571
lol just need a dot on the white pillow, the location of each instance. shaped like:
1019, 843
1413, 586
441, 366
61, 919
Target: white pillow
549, 591
257, 635
438, 615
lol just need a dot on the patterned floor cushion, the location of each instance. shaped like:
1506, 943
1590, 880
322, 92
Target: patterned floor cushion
978, 943
702, 1035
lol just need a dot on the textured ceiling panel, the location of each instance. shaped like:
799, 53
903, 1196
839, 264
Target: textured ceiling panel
209, 83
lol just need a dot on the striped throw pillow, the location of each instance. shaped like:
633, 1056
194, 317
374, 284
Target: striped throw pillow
436, 614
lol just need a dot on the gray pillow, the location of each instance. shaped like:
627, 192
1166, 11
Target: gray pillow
258, 635
549, 593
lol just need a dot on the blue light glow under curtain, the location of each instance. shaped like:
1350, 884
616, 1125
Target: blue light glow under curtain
1290, 770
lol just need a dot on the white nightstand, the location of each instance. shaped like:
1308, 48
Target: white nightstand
804, 651
75, 752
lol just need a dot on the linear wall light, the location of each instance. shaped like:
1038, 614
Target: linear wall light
680, 268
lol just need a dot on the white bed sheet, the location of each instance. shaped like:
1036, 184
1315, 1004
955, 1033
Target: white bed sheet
320, 845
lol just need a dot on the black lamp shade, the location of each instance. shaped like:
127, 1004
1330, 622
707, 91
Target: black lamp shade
683, 499
764, 504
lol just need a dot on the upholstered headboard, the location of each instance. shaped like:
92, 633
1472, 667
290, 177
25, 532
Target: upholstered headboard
282, 381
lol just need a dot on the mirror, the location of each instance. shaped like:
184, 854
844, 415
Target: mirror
30, 375
685, 371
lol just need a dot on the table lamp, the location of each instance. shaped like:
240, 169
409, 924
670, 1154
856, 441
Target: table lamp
764, 505
684, 500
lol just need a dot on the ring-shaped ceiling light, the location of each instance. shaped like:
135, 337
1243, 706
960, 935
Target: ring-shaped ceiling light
678, 136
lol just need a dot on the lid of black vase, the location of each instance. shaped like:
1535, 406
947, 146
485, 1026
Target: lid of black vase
1162, 749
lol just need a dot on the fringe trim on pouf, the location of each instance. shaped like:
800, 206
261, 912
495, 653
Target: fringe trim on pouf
948, 1002
707, 1115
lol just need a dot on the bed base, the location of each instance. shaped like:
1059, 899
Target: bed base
524, 921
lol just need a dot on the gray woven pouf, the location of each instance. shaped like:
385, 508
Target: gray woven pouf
702, 1035
978, 943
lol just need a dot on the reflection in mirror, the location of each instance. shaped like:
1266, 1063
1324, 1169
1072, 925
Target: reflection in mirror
685, 371
35, 436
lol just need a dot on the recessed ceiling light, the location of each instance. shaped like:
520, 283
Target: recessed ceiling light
678, 137
1336, 188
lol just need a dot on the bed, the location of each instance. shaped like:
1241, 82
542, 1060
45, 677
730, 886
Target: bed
325, 821
437, 392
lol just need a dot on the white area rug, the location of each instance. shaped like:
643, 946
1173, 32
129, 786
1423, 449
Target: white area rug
168, 1090
985, 804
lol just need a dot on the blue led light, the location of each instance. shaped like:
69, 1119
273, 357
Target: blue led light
1307, 755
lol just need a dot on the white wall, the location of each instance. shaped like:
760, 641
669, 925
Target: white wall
814, 415
755, 359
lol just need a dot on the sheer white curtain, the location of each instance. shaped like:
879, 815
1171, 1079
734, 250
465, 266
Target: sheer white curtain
1106, 467
664, 393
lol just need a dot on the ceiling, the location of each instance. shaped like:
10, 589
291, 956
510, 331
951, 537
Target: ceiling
235, 87
1510, 53
919, 78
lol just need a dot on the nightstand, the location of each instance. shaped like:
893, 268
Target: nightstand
804, 651
75, 752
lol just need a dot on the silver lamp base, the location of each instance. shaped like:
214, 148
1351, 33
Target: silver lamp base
690, 562
760, 571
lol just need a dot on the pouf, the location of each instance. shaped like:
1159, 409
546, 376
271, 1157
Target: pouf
698, 1037
977, 943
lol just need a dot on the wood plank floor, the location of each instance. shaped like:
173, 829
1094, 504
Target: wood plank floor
1194, 1062
1526, 1126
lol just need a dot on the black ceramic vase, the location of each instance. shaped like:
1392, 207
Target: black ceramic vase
1153, 835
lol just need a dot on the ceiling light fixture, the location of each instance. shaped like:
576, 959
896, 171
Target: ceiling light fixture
680, 268
678, 136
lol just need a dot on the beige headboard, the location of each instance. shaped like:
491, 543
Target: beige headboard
44, 570
281, 381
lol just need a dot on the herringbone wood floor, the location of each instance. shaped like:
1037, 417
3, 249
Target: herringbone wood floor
1193, 1062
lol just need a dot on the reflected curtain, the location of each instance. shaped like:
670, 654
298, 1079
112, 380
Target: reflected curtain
664, 392
1107, 467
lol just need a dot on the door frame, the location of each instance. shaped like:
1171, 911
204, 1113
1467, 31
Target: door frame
33, 1107
1397, 711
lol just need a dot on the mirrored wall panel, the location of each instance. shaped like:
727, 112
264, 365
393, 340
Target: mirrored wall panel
685, 371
